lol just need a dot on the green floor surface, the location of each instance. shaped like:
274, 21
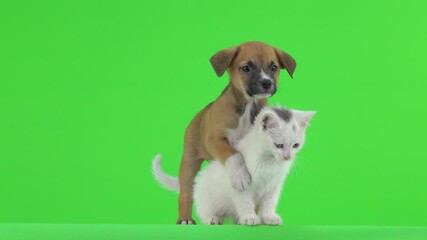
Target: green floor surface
128, 232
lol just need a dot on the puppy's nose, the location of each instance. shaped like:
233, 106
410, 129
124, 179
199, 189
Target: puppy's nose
266, 84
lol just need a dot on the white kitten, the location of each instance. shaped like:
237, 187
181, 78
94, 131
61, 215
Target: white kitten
268, 148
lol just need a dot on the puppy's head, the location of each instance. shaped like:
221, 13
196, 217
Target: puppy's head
253, 67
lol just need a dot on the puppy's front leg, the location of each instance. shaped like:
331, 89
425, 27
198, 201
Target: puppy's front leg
240, 178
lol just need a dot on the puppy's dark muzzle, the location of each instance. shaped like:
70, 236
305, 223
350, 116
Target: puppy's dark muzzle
266, 84
261, 87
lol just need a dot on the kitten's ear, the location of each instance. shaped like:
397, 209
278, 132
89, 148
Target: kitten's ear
304, 117
269, 121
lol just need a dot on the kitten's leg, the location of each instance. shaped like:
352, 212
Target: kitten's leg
245, 209
213, 220
208, 212
268, 208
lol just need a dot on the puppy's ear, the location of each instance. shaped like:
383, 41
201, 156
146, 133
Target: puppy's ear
286, 61
222, 60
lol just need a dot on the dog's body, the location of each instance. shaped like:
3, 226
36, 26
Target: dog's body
253, 70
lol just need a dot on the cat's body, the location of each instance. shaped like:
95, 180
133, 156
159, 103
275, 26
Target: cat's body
268, 147
215, 198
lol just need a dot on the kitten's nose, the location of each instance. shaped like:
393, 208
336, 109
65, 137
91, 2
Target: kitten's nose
287, 157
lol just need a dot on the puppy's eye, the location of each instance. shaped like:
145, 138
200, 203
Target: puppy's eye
274, 68
246, 68
296, 145
279, 145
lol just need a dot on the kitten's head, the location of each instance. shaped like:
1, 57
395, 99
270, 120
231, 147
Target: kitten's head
283, 130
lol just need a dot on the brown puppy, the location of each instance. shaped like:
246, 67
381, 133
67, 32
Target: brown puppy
253, 68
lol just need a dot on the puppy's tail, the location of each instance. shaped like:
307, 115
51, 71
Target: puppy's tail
167, 181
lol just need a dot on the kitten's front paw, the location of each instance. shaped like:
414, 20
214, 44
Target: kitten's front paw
250, 220
272, 219
215, 220
240, 178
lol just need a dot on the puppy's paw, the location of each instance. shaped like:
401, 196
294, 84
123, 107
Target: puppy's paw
271, 219
186, 222
240, 178
214, 220
250, 220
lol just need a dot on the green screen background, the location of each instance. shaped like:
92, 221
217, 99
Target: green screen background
90, 91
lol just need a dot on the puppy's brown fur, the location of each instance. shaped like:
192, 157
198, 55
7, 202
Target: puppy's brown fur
204, 137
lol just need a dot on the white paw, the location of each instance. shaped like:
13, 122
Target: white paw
215, 220
249, 220
240, 178
272, 219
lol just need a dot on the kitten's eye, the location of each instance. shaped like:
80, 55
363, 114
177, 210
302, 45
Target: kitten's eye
296, 145
279, 145
246, 68
274, 68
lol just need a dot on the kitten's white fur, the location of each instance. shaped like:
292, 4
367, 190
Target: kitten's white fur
214, 196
